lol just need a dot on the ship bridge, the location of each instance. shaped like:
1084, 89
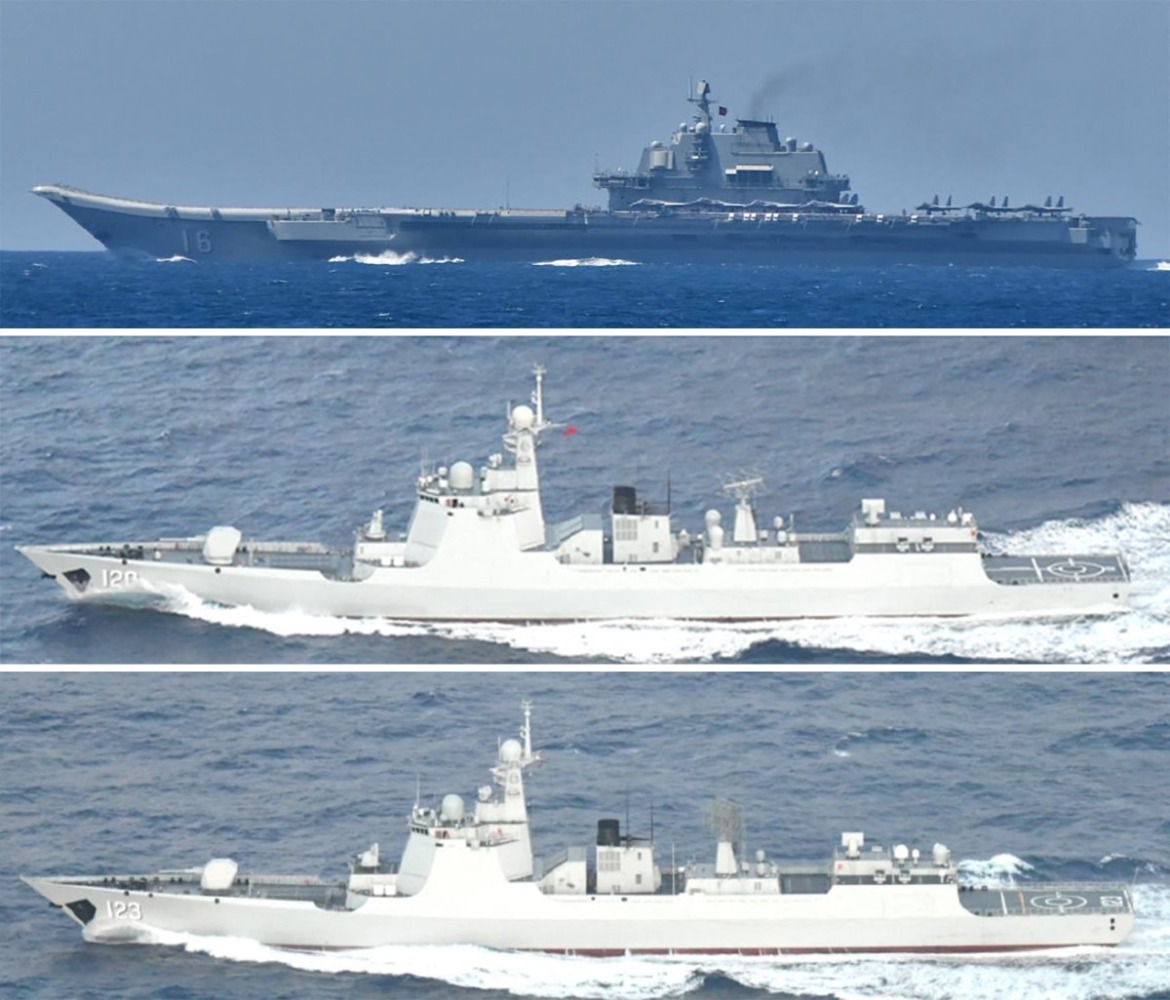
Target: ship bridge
746, 163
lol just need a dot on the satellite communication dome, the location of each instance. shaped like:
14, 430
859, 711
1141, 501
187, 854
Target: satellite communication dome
462, 476
510, 750
451, 811
218, 875
523, 418
713, 517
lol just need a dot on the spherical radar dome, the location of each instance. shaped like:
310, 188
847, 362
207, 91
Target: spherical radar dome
462, 476
510, 750
523, 418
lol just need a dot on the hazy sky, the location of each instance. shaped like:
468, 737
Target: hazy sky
467, 103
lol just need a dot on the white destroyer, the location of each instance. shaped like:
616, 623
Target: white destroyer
479, 548
470, 877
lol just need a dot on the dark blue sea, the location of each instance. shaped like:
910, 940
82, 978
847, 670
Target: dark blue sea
53, 290
1025, 776
1056, 443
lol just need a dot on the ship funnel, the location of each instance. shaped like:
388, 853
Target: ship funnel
727, 821
608, 833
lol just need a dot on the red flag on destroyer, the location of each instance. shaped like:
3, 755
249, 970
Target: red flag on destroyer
569, 431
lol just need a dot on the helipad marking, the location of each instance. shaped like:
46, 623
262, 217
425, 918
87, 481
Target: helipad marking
1071, 569
1058, 901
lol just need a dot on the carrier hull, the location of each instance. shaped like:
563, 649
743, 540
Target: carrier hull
146, 229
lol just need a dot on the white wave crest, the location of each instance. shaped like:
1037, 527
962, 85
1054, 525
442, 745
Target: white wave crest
118, 932
466, 966
176, 259
1151, 933
586, 262
1000, 870
389, 258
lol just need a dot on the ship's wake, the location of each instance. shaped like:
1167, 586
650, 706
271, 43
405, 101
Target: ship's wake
586, 262
1140, 635
1138, 968
388, 258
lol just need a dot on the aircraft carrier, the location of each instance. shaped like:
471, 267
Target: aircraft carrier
715, 192
470, 876
479, 547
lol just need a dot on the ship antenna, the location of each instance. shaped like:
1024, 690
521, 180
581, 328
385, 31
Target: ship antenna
526, 729
538, 395
702, 90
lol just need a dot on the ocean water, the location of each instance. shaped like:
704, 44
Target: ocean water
1056, 443
52, 290
1025, 776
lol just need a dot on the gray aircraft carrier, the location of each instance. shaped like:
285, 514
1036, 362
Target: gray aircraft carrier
715, 192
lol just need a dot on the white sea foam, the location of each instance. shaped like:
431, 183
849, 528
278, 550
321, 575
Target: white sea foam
176, 259
1137, 968
1000, 870
103, 931
1135, 636
388, 258
586, 262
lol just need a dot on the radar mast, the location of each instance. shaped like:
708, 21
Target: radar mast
700, 98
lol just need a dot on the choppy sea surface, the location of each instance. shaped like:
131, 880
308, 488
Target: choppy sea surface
1025, 776
1056, 443
57, 289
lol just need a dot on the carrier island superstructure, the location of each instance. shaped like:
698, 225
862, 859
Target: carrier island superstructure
479, 547
471, 877
713, 193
